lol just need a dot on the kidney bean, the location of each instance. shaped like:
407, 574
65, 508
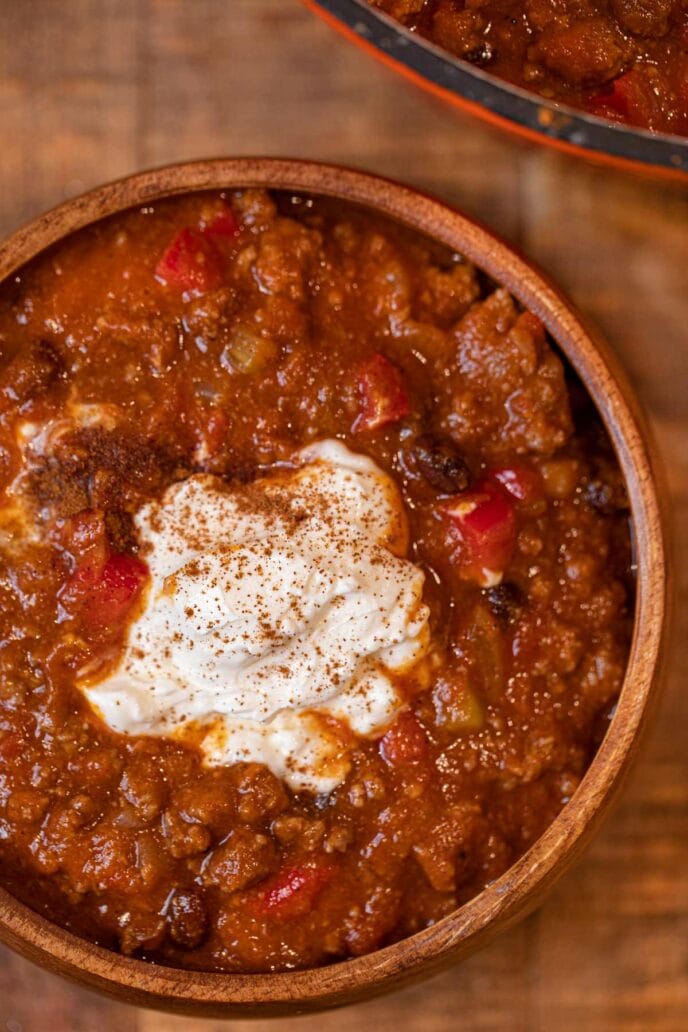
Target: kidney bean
440, 462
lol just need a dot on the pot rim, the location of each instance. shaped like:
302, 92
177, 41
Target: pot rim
497, 101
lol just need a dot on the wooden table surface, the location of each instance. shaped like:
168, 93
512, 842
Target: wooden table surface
92, 89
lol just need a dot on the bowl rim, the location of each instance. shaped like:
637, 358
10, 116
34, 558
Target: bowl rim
502, 103
519, 889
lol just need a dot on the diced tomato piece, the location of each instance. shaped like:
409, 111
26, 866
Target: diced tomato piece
103, 593
482, 526
220, 222
121, 580
405, 743
524, 483
382, 395
84, 536
629, 98
610, 104
293, 890
190, 264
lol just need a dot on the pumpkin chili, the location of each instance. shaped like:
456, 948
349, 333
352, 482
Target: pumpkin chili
203, 342
621, 60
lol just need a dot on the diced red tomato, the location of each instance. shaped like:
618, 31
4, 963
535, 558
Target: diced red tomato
482, 527
220, 222
103, 593
382, 395
524, 483
405, 743
121, 581
293, 890
190, 264
629, 98
84, 536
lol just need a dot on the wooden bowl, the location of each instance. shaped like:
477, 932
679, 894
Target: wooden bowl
524, 884
519, 111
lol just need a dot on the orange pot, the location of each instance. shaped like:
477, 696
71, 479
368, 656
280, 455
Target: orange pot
500, 103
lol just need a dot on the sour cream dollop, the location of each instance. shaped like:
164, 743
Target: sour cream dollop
278, 615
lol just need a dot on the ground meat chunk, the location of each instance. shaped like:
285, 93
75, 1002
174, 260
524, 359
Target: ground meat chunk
245, 857
152, 866
459, 31
446, 294
30, 373
161, 340
143, 931
644, 17
508, 389
386, 288
365, 927
144, 788
256, 207
541, 13
184, 838
284, 256
587, 53
209, 800
437, 856
208, 318
261, 794
401, 8
27, 806
290, 830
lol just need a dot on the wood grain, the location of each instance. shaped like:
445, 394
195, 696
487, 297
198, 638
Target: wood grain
92, 89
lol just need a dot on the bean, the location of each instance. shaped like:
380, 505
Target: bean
188, 919
506, 600
439, 461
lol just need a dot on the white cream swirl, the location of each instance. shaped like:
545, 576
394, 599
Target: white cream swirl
274, 607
